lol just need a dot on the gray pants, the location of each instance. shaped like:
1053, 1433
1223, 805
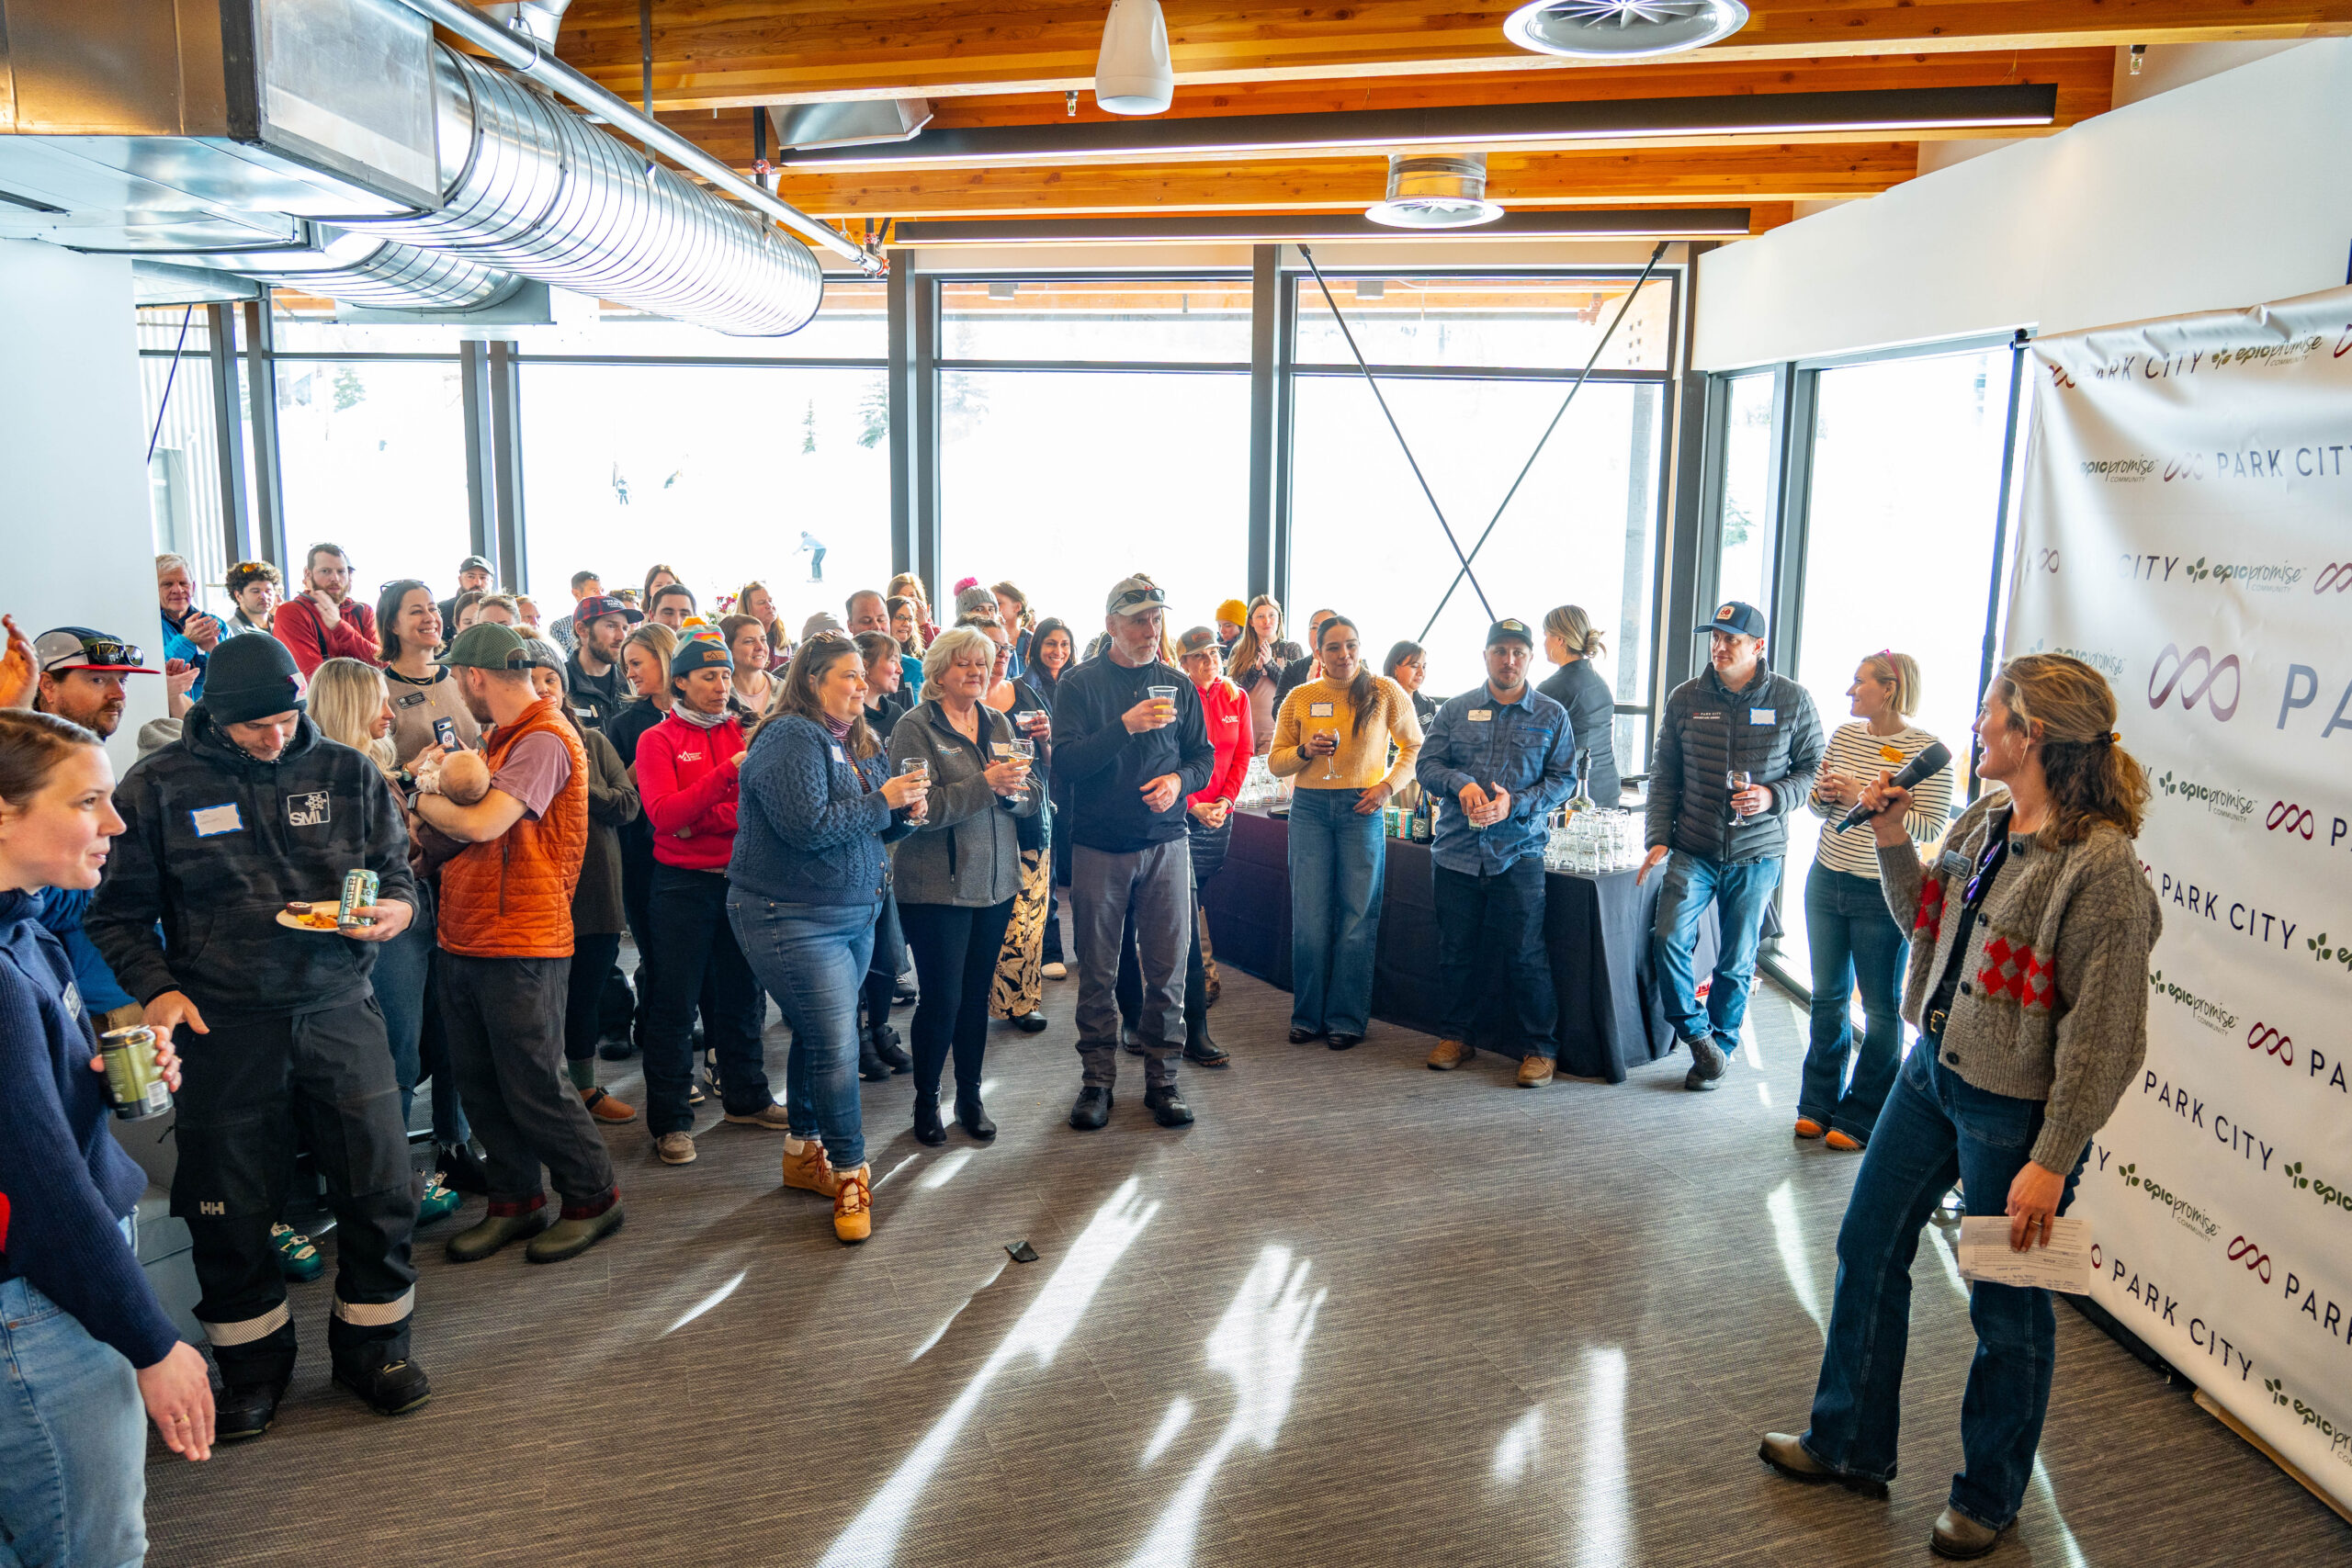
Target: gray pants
505, 1021
1156, 886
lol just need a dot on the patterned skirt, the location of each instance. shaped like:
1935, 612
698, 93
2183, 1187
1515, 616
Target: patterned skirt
1019, 985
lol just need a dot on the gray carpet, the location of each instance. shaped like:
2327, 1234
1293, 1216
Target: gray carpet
1361, 1314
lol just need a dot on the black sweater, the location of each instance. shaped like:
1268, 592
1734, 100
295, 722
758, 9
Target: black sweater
1593, 715
1101, 769
215, 844
64, 1182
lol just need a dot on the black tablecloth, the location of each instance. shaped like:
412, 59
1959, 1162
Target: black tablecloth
1595, 929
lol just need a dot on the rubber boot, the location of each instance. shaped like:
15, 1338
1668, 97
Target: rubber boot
372, 1362
253, 1380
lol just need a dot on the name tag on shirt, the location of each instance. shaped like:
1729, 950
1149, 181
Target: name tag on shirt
1763, 715
408, 699
1481, 715
1954, 867
839, 755
211, 821
1318, 710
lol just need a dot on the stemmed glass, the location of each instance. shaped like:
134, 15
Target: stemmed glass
1740, 778
1331, 771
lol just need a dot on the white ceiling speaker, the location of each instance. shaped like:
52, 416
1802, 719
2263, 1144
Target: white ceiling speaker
1622, 30
1436, 190
1132, 74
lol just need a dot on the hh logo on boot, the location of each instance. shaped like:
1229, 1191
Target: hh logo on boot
307, 811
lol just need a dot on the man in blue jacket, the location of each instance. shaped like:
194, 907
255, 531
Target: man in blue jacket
1496, 760
1727, 845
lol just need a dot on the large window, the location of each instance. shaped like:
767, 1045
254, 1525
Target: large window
373, 457
1750, 462
184, 468
1473, 370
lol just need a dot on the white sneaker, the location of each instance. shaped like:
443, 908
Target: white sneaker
676, 1148
1056, 972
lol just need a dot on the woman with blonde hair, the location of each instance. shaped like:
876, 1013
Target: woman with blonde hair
1571, 642
2030, 933
1256, 664
1855, 941
351, 703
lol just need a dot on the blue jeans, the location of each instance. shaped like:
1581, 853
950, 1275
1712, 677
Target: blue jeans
1855, 941
812, 959
403, 977
1692, 882
1936, 1127
1338, 863
73, 1441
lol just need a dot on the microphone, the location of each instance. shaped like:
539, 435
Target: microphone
1926, 764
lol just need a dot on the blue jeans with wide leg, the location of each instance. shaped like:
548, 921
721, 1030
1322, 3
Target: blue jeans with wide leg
812, 959
1855, 944
1337, 866
73, 1441
1692, 882
1935, 1128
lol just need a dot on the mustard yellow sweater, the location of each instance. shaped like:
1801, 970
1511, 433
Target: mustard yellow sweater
1363, 758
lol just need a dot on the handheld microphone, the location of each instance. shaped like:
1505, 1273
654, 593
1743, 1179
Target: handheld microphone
1926, 765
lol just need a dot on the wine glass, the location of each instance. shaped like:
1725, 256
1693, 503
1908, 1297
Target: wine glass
1329, 771
1740, 778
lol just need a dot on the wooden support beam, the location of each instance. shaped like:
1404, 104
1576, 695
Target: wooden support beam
727, 53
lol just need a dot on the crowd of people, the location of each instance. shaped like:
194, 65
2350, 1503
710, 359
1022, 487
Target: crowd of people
895, 805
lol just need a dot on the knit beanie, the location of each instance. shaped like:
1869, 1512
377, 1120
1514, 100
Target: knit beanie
249, 678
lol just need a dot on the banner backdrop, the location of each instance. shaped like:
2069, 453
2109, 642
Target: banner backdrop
2188, 530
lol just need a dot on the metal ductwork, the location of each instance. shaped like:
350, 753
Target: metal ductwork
333, 145
540, 19
530, 187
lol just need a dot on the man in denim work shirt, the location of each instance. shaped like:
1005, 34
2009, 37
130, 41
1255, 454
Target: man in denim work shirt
1496, 760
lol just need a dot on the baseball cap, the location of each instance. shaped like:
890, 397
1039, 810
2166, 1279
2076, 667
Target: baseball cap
79, 647
487, 645
1508, 630
1200, 639
1740, 620
475, 563
700, 653
1133, 594
597, 605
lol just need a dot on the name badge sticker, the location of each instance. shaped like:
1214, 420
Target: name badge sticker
1480, 716
408, 699
211, 821
1318, 710
1763, 715
839, 755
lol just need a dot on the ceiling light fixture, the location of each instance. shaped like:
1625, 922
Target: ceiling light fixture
1488, 127
1622, 30
1132, 74
1443, 191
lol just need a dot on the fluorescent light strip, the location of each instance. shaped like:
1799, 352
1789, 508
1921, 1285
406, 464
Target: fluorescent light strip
1694, 224
1489, 127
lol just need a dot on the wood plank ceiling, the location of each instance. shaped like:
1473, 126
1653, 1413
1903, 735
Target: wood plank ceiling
1000, 63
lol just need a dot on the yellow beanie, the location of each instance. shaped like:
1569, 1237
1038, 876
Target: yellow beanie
1234, 611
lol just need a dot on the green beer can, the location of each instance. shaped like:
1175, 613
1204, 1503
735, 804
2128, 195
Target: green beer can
133, 1084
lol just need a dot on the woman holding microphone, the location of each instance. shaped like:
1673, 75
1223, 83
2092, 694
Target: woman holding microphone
85, 1343
960, 872
2029, 941
807, 883
1331, 739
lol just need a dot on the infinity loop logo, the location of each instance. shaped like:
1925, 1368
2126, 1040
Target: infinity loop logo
2262, 1037
2202, 661
2256, 1261
2286, 815
2336, 575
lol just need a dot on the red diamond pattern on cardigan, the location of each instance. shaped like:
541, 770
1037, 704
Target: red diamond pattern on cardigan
2011, 969
1930, 916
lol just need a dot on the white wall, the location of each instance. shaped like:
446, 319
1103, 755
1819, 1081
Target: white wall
76, 543
2223, 192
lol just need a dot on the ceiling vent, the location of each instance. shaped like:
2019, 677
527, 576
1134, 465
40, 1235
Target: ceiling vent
855, 123
1429, 190
1622, 30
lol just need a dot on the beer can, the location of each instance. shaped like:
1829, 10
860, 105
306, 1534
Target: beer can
359, 893
1388, 821
134, 1086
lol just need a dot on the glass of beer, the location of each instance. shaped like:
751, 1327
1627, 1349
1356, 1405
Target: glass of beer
919, 769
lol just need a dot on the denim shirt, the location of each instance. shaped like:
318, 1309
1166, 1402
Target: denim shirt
1527, 747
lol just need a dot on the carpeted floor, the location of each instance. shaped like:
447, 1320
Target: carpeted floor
1361, 1314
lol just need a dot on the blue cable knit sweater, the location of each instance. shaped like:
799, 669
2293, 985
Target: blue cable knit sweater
810, 821
65, 1184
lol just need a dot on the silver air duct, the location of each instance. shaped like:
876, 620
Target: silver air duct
540, 19
530, 187
361, 270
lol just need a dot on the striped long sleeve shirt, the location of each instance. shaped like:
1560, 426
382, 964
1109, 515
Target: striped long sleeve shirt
1854, 752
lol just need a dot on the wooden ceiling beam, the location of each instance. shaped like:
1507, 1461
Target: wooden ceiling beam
726, 54
1729, 176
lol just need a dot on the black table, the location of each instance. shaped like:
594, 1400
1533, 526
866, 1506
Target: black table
1595, 929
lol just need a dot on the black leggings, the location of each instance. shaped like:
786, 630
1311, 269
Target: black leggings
593, 958
955, 953
882, 975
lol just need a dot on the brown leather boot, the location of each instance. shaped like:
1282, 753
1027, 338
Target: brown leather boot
1450, 1054
809, 1171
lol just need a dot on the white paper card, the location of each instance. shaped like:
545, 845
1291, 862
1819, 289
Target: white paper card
2064, 1264
211, 820
1318, 710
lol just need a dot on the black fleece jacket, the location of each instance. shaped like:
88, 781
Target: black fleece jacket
215, 843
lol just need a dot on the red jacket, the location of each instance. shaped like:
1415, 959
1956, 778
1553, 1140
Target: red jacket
1225, 708
296, 624
687, 778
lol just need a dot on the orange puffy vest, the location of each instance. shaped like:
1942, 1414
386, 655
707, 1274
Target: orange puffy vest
512, 898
